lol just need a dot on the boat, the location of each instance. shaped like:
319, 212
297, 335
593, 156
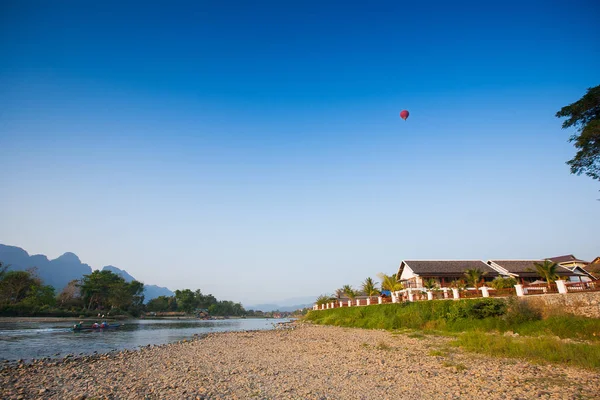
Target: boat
100, 327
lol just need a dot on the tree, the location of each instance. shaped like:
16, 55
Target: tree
324, 299
70, 296
547, 271
473, 277
158, 304
503, 283
186, 300
430, 284
3, 269
584, 115
390, 282
369, 287
349, 291
105, 289
25, 287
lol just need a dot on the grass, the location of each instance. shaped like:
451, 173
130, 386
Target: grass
450, 317
383, 346
478, 325
539, 349
457, 366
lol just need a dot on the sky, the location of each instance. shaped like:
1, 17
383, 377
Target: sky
254, 150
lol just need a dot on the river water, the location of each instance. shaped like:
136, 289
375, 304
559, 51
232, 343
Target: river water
29, 340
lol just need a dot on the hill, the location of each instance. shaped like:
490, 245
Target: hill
60, 271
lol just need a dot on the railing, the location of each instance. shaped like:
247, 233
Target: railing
542, 288
502, 292
466, 294
592, 286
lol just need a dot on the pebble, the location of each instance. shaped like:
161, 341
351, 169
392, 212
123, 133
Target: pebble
306, 362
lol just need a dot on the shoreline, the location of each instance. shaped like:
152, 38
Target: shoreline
296, 361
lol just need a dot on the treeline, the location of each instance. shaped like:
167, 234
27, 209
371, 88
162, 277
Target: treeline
23, 293
189, 301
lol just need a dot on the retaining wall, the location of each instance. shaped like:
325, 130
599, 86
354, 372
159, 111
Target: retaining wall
586, 304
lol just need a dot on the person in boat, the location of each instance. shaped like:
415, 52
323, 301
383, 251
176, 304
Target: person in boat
104, 324
78, 326
95, 325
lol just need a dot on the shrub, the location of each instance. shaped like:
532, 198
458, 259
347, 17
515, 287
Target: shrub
519, 312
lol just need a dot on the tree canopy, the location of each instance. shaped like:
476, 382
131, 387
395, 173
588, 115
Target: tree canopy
584, 115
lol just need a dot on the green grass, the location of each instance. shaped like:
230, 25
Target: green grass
539, 349
478, 326
448, 317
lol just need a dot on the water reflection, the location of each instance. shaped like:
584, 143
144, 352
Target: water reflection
28, 340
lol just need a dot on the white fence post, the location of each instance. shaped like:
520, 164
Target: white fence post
561, 286
411, 296
519, 290
455, 294
349, 303
484, 291
429, 295
445, 292
380, 300
368, 301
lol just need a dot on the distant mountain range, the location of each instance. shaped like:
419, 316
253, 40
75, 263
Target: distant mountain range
292, 304
62, 270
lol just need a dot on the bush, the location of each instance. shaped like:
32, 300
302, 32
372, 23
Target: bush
519, 312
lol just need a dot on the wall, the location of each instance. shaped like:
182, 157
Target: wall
585, 304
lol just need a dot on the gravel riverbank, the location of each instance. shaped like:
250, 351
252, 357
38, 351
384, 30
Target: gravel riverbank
306, 362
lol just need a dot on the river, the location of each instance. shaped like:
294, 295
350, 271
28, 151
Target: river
39, 339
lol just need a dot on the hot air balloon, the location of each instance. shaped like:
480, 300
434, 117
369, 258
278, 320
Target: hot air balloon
404, 114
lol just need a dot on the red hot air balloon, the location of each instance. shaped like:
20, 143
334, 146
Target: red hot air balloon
404, 114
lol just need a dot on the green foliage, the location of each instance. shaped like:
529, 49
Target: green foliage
417, 315
369, 287
547, 270
503, 283
102, 290
486, 315
324, 299
226, 308
160, 304
540, 348
390, 282
430, 284
349, 291
518, 312
584, 115
24, 292
474, 276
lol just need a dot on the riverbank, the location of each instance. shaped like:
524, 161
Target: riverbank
302, 362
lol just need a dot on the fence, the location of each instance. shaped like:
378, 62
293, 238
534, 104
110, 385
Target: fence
542, 288
593, 286
437, 294
502, 292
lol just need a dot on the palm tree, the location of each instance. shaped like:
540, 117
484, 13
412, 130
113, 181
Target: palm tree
338, 293
348, 291
474, 276
369, 287
430, 284
547, 271
390, 282
324, 299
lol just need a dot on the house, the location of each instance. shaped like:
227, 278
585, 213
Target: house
593, 268
568, 261
573, 264
525, 272
413, 273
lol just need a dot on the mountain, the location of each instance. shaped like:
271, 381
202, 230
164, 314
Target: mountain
292, 304
150, 291
62, 270
57, 272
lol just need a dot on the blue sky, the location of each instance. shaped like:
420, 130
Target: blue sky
254, 150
